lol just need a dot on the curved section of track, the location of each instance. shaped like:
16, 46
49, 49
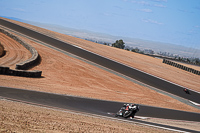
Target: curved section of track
116, 66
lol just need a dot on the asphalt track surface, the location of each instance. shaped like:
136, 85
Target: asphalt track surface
113, 65
94, 106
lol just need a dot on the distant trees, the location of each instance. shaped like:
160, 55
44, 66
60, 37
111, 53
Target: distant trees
197, 61
127, 49
119, 44
106, 44
136, 50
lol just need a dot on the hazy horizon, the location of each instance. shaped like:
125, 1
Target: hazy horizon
168, 21
183, 51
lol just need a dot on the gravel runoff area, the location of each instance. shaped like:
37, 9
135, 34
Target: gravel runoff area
20, 117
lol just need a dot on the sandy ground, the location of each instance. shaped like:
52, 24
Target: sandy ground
15, 52
19, 117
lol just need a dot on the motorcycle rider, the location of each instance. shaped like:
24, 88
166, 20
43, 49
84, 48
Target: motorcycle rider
127, 107
186, 91
135, 107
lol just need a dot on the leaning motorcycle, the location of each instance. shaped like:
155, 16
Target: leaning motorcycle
128, 110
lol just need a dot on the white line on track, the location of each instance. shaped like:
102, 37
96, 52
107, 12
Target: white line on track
197, 104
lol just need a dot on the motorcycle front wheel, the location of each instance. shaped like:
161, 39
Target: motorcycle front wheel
127, 114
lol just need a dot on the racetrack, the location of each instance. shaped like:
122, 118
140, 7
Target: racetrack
94, 106
126, 70
100, 111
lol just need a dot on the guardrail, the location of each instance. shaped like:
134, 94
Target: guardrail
181, 67
22, 65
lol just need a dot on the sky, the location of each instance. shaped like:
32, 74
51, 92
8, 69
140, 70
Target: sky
168, 21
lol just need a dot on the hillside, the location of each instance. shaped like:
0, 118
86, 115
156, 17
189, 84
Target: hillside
63, 74
147, 64
66, 75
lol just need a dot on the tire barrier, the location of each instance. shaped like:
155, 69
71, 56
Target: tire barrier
181, 67
4, 70
21, 73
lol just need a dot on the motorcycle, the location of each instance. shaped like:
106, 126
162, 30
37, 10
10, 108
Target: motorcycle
186, 91
128, 110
